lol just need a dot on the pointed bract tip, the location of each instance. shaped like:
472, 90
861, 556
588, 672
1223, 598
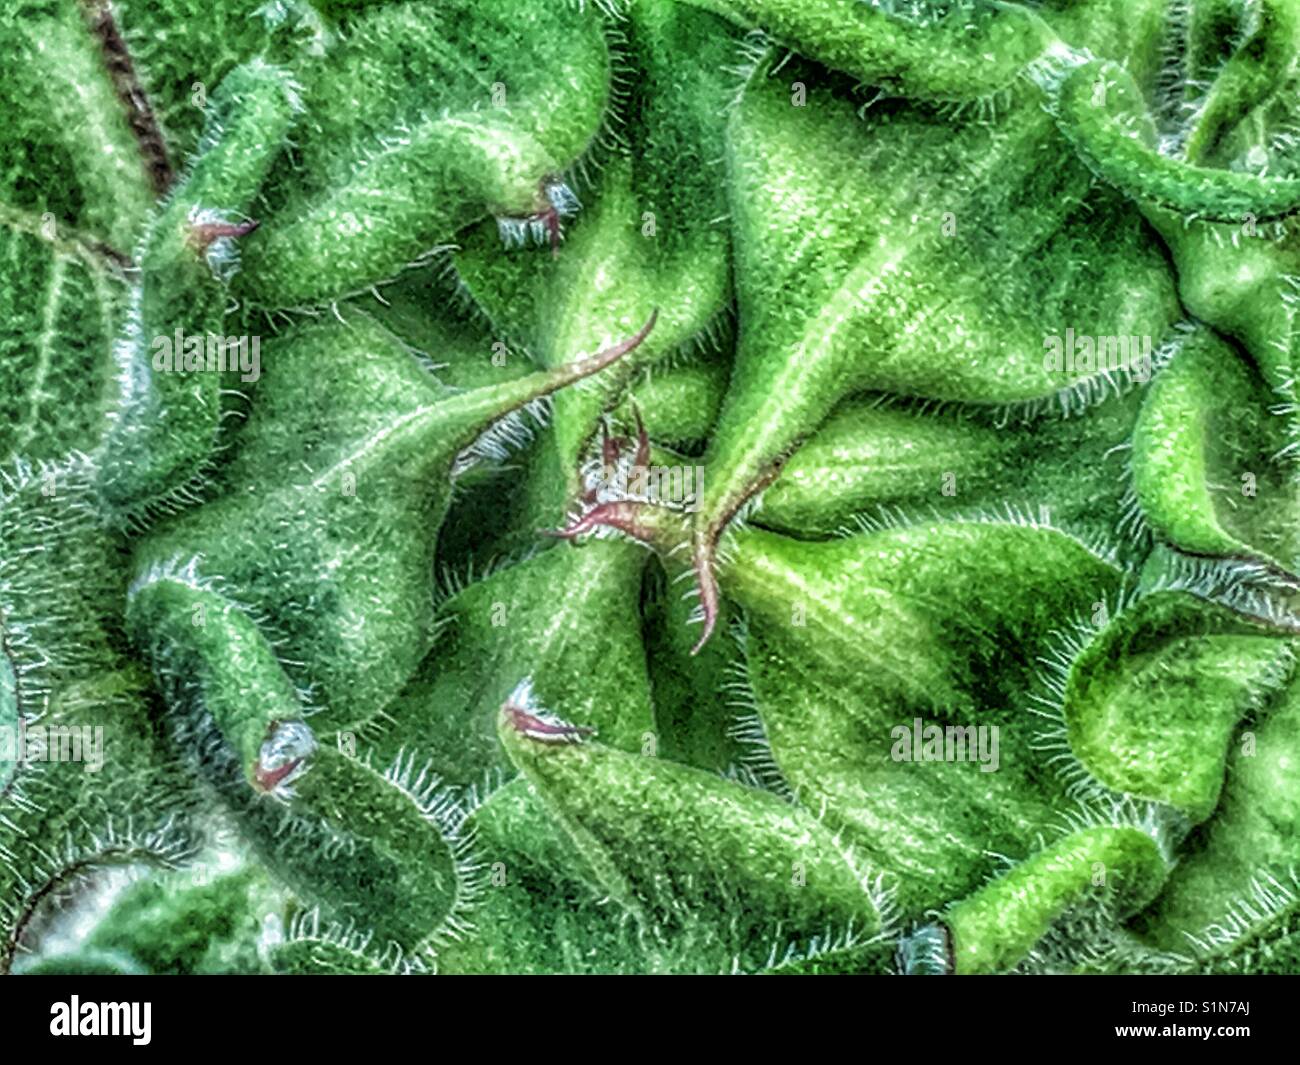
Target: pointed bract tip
202, 234
283, 757
708, 587
530, 721
616, 351
642, 457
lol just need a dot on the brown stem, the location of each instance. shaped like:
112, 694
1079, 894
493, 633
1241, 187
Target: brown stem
139, 113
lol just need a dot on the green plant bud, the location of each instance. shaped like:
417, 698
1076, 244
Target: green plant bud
1231, 905
376, 848
1103, 113
998, 926
650, 237
873, 457
566, 617
892, 296
1247, 79
88, 749
867, 728
432, 143
956, 51
1125, 708
174, 355
207, 650
943, 353
742, 844
68, 148
343, 470
1206, 466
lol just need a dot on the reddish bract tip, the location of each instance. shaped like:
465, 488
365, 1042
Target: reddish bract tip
708, 586
611, 450
552, 220
267, 780
616, 351
536, 728
642, 457
705, 551
611, 447
283, 757
204, 233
